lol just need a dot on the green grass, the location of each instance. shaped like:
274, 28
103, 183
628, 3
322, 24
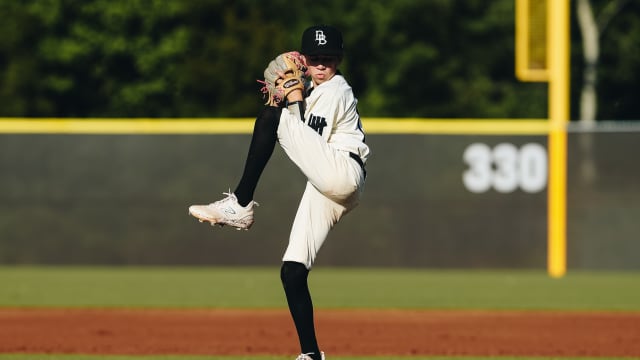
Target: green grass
232, 287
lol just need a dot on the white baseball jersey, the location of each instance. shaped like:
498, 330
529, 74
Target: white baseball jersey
331, 109
320, 147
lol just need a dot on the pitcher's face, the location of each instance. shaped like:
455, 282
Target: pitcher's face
321, 68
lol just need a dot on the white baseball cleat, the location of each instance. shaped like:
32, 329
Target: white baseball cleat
308, 356
225, 212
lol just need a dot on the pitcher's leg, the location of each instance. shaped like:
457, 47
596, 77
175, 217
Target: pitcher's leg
316, 215
331, 171
237, 208
263, 141
294, 281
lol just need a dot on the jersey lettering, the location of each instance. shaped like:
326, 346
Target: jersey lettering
317, 123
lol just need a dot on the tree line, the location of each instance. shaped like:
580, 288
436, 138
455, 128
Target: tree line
201, 58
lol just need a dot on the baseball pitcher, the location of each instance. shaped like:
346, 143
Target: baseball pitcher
311, 112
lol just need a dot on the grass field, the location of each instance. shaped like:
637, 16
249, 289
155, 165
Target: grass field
186, 287
332, 288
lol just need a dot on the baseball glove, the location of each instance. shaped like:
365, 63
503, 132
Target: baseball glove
284, 74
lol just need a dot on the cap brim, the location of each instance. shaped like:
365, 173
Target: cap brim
323, 52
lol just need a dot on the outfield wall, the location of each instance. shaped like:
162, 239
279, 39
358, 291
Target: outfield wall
432, 199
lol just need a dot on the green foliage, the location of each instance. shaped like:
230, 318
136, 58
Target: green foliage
201, 58
619, 85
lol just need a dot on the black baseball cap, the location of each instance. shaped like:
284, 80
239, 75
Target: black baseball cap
322, 40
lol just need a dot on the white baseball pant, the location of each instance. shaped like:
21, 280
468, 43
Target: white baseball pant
334, 184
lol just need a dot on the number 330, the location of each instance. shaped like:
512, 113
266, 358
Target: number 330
505, 168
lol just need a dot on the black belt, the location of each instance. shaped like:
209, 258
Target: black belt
359, 161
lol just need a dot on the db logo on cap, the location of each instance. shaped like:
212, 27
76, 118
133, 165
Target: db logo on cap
320, 38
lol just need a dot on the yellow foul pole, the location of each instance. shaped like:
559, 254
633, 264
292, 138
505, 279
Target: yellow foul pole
558, 61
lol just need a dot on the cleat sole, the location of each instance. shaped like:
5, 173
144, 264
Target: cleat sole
221, 225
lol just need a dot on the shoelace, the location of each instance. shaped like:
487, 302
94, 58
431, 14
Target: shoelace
222, 201
228, 198
229, 194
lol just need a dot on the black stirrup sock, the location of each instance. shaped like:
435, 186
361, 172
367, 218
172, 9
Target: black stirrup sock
261, 148
294, 280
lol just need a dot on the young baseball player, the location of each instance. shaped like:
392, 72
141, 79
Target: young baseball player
320, 131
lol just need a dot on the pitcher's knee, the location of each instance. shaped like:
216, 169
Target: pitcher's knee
337, 189
293, 274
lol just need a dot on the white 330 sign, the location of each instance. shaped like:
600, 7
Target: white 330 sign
505, 168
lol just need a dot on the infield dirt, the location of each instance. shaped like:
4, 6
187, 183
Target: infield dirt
340, 332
